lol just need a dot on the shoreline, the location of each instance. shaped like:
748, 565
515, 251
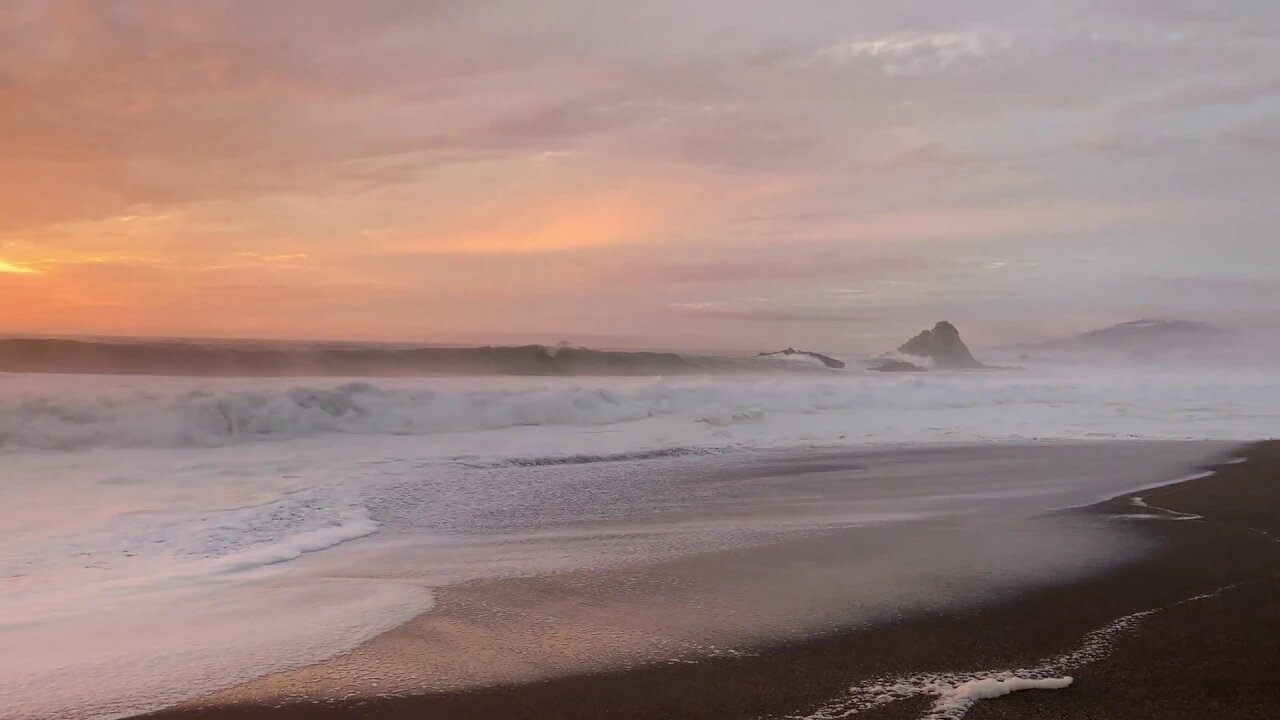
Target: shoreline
1017, 630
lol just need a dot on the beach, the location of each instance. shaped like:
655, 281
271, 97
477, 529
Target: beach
181, 544
1195, 608
718, 360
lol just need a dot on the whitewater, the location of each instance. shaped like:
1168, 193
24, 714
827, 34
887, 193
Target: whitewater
164, 537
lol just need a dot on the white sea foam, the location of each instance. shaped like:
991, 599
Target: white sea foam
45, 412
957, 701
145, 650
1165, 483
1138, 501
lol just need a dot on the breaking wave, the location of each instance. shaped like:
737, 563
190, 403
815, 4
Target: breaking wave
71, 412
210, 417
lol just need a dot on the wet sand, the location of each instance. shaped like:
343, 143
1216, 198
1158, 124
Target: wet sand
1215, 656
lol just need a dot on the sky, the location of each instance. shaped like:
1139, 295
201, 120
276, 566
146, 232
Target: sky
698, 174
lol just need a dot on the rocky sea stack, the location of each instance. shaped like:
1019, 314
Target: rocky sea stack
943, 345
891, 365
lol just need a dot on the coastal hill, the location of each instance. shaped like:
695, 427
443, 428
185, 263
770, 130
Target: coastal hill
1158, 341
1141, 336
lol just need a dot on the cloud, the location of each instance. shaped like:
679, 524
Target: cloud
1136, 145
510, 160
1256, 135
1202, 94
160, 103
762, 315
782, 266
1190, 13
909, 54
927, 156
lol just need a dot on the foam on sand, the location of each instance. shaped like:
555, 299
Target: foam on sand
955, 693
146, 651
1138, 501
956, 702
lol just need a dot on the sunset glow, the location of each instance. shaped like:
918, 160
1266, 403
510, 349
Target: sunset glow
408, 171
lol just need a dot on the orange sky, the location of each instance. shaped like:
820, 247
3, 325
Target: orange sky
723, 176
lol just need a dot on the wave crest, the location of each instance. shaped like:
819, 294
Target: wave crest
204, 417
71, 412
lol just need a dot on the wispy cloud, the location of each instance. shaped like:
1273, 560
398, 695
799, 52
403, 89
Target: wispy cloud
908, 54
1208, 93
766, 315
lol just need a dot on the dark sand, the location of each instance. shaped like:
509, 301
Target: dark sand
1214, 657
